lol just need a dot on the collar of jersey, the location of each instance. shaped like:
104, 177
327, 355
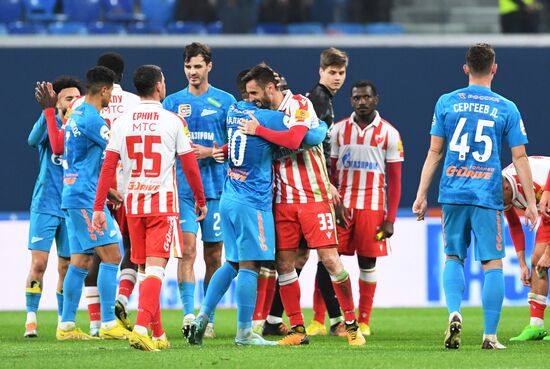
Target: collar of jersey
150, 102
375, 122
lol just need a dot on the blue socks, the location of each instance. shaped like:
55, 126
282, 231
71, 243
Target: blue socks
187, 296
59, 296
247, 283
219, 284
72, 290
32, 297
107, 285
213, 313
453, 284
492, 297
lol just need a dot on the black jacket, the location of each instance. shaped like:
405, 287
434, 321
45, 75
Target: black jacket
321, 99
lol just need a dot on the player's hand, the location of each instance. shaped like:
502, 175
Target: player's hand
542, 266
202, 152
544, 204
525, 275
419, 208
115, 197
217, 153
99, 222
336, 198
201, 211
386, 231
45, 95
249, 126
342, 216
531, 216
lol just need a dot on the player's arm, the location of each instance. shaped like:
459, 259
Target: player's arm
435, 154
47, 98
291, 139
521, 163
38, 132
315, 136
108, 170
192, 172
518, 238
393, 173
544, 204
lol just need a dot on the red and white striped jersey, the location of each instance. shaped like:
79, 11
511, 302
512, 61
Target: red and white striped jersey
301, 177
120, 102
540, 166
362, 156
148, 139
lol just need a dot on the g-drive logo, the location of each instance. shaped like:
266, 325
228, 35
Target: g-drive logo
514, 291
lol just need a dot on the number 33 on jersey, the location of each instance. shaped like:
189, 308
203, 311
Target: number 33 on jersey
474, 121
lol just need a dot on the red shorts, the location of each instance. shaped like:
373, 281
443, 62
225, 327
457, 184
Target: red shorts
120, 216
313, 221
543, 233
360, 237
158, 236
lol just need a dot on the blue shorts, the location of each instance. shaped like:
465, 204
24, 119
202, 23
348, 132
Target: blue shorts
211, 227
461, 221
249, 234
44, 229
82, 238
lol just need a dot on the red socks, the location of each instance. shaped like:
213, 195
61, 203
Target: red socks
319, 308
149, 302
345, 298
366, 298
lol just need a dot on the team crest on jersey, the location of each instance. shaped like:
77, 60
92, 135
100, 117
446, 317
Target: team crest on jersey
184, 110
301, 114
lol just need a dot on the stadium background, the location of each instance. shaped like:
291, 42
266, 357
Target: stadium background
409, 71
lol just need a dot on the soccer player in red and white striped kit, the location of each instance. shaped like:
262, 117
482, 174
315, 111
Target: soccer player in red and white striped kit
366, 155
147, 139
302, 204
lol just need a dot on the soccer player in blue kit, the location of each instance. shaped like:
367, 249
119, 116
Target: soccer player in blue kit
204, 107
86, 134
247, 216
47, 221
475, 120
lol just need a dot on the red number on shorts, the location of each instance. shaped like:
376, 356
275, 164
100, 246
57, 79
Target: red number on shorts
325, 221
148, 153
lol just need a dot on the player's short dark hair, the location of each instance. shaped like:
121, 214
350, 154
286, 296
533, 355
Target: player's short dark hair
114, 62
333, 57
64, 82
197, 49
262, 74
480, 58
98, 77
364, 83
145, 79
240, 84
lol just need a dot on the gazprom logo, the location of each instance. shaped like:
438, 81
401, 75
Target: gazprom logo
56, 159
347, 163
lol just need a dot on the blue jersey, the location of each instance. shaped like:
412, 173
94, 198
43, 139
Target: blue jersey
474, 121
86, 136
46, 197
250, 177
205, 116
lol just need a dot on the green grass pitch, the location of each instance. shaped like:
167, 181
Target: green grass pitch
403, 338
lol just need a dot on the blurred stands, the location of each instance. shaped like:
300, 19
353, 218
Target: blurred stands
274, 17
